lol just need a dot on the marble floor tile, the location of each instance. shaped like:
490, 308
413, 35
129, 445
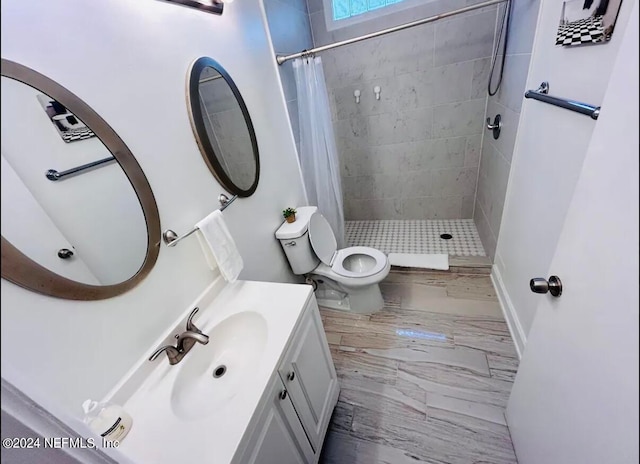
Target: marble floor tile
334, 338
341, 418
427, 378
351, 365
387, 399
340, 448
502, 367
486, 412
436, 440
426, 299
489, 343
472, 360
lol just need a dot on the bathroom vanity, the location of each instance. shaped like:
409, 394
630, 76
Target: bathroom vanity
261, 391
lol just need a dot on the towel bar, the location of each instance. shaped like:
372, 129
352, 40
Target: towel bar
171, 239
54, 175
541, 94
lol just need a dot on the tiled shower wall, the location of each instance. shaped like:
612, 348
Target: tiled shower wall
413, 154
497, 154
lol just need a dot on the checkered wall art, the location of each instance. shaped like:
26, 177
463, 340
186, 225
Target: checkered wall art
587, 21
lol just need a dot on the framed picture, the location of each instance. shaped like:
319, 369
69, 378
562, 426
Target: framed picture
587, 21
69, 126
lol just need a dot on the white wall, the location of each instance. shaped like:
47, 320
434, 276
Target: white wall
91, 208
549, 151
129, 63
29, 228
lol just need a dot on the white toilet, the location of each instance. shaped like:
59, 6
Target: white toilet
346, 279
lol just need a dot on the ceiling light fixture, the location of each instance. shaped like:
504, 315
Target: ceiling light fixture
210, 6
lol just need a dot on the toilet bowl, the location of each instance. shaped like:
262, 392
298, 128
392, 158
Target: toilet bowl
345, 279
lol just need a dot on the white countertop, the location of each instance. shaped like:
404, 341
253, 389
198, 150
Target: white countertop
160, 436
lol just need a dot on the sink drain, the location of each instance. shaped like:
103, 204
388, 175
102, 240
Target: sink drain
446, 236
219, 371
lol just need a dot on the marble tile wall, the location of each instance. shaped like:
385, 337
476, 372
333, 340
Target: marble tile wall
290, 30
415, 152
496, 155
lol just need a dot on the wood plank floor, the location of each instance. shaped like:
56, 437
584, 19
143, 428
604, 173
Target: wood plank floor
426, 379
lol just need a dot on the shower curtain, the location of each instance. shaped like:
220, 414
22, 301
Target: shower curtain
318, 152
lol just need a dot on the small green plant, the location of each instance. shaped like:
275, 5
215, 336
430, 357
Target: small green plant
289, 214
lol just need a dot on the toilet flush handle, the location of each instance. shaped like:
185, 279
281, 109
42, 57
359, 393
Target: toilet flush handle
291, 243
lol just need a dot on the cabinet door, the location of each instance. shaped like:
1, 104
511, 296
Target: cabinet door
279, 437
310, 376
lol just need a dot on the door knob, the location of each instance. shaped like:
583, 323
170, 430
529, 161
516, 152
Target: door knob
540, 285
65, 253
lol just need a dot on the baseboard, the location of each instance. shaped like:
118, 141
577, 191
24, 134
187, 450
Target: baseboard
510, 315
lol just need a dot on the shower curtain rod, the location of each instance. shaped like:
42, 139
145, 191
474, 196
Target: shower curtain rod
283, 58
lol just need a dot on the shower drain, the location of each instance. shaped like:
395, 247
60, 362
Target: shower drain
446, 236
219, 371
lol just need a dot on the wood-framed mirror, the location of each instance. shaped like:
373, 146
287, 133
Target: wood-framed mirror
79, 219
222, 127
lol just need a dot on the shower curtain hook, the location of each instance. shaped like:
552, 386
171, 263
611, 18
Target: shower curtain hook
306, 54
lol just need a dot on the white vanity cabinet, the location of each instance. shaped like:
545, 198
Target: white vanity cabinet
297, 406
279, 437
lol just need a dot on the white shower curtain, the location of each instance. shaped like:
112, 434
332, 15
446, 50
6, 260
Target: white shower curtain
318, 152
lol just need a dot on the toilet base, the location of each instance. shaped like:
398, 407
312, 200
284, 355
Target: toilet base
361, 300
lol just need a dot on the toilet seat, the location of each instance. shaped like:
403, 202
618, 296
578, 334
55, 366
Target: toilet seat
352, 262
343, 257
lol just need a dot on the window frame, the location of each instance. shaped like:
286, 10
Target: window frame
333, 24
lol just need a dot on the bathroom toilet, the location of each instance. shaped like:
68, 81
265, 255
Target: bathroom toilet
345, 279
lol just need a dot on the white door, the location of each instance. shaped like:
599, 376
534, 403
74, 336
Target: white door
549, 152
575, 397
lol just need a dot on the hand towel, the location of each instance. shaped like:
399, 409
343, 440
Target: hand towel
218, 246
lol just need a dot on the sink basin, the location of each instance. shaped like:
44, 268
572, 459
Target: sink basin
210, 375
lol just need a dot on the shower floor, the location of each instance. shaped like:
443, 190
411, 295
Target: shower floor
416, 236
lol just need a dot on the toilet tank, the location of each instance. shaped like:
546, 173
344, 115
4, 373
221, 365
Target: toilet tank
294, 238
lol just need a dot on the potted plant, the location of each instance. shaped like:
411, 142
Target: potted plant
289, 214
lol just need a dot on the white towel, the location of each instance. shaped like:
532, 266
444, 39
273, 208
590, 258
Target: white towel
219, 247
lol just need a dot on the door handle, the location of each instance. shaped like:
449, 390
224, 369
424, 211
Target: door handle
540, 285
65, 253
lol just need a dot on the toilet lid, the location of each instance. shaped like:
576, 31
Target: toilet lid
322, 239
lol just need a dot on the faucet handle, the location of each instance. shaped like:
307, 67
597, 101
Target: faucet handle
190, 325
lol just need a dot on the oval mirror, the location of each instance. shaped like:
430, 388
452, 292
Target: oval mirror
222, 127
79, 220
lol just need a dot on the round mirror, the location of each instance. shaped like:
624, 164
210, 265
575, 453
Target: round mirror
222, 127
79, 220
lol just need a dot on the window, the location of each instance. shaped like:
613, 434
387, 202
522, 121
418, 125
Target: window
343, 9
345, 13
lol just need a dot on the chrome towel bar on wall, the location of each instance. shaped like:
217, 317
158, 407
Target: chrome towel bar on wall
541, 94
54, 175
171, 239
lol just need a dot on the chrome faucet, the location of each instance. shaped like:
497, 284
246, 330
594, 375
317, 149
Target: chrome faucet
184, 343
